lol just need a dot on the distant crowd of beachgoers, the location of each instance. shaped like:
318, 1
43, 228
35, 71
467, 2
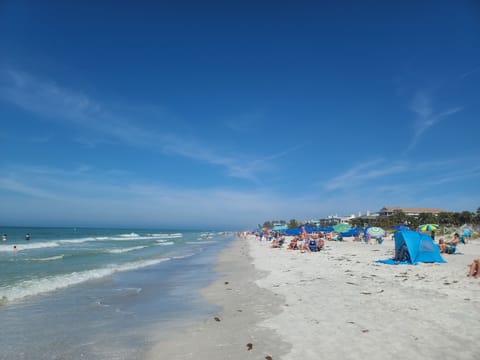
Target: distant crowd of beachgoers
311, 242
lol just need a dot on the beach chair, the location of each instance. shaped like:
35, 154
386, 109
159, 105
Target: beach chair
312, 245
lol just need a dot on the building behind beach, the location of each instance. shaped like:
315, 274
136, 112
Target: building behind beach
386, 211
390, 210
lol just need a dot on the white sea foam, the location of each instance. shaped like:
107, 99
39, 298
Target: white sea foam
130, 290
119, 251
58, 257
29, 246
38, 286
126, 238
168, 236
164, 243
183, 256
77, 241
131, 235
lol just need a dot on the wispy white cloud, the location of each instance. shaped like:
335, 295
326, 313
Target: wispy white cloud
19, 186
362, 173
377, 183
109, 125
96, 197
426, 117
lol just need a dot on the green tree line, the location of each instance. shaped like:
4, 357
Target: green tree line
448, 219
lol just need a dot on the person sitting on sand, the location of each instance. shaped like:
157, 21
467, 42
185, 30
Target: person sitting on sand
474, 268
320, 244
402, 254
442, 244
448, 247
302, 244
277, 242
293, 244
455, 240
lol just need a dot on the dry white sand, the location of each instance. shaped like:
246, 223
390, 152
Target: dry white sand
335, 304
341, 304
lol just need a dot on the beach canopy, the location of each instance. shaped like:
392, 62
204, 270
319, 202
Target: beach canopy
341, 227
351, 232
299, 230
400, 227
308, 230
420, 247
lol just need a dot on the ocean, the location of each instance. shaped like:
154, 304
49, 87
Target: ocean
78, 293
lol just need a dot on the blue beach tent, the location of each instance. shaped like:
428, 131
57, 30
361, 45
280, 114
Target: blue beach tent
420, 246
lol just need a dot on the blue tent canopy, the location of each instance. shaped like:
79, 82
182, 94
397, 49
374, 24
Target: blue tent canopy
308, 229
293, 232
351, 232
400, 227
324, 229
420, 246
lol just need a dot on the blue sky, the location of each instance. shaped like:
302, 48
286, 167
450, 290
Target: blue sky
226, 114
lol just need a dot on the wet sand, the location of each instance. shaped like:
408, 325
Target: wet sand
237, 326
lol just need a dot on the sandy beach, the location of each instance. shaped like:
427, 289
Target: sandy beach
335, 304
243, 306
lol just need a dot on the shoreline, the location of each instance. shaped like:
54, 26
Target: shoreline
243, 307
335, 304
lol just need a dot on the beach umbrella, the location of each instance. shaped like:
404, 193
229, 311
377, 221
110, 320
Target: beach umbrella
341, 228
428, 227
375, 231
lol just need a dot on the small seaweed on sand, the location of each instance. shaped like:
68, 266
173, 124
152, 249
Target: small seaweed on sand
249, 346
217, 318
